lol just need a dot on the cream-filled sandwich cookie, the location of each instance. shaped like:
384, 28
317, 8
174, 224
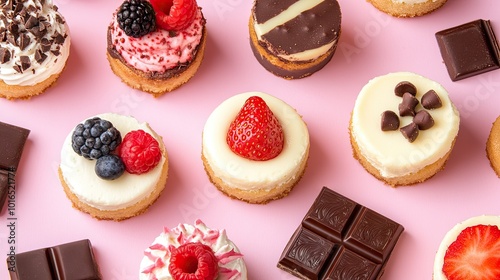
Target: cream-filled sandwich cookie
162, 55
34, 47
407, 8
229, 162
470, 250
294, 38
113, 167
217, 257
403, 128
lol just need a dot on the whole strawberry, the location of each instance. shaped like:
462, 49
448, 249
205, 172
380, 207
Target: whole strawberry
193, 261
256, 133
174, 15
139, 151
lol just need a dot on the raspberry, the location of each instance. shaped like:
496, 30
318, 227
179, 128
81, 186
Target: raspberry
256, 133
139, 151
174, 15
193, 261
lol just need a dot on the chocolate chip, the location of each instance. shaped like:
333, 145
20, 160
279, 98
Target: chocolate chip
31, 22
40, 56
389, 121
410, 131
45, 45
430, 100
25, 62
403, 87
423, 120
4, 55
407, 105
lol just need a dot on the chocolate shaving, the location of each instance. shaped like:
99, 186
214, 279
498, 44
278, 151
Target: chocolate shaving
55, 52
59, 19
4, 55
410, 131
403, 87
407, 106
58, 38
430, 100
17, 68
11, 39
423, 120
389, 121
24, 41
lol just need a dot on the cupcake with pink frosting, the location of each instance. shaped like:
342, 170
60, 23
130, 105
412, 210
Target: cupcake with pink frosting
156, 45
192, 251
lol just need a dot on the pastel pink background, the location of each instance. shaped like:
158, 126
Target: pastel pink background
371, 44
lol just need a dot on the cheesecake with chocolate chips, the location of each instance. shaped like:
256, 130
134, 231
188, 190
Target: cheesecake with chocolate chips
34, 47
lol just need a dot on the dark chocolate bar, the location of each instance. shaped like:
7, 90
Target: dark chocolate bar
340, 239
469, 49
70, 261
12, 140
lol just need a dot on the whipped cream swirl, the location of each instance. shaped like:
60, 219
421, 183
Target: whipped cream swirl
34, 41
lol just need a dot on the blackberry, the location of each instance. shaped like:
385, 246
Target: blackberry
109, 167
136, 18
95, 138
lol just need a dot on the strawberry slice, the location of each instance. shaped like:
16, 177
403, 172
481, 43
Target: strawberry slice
255, 133
174, 15
475, 254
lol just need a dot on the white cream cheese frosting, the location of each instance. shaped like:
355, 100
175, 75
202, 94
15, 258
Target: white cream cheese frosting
389, 151
128, 189
452, 235
56, 51
154, 264
241, 173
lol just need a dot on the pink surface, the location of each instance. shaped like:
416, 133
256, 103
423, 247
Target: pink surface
371, 44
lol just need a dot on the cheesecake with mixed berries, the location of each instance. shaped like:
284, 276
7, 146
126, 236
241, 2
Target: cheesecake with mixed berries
113, 167
156, 46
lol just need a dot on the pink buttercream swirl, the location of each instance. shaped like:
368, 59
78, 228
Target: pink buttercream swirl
160, 50
157, 256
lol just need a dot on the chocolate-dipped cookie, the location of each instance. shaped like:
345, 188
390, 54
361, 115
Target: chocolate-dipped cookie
294, 38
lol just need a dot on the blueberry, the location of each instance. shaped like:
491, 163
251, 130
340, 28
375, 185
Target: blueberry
109, 167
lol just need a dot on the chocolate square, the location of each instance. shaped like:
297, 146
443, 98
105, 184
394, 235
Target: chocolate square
69, 261
340, 239
469, 49
12, 140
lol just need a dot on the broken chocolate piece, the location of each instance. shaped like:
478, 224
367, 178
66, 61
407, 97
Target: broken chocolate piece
74, 260
389, 121
24, 41
31, 22
4, 55
469, 49
403, 87
410, 131
40, 56
25, 62
407, 105
423, 120
12, 140
430, 100
45, 44
340, 239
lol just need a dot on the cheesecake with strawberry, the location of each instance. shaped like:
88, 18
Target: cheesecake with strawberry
255, 147
192, 252
470, 250
158, 45
113, 167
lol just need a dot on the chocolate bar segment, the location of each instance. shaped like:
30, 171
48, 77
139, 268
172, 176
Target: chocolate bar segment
12, 140
70, 261
340, 239
469, 49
